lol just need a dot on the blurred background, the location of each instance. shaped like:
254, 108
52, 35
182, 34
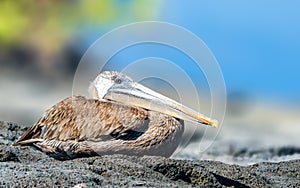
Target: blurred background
256, 44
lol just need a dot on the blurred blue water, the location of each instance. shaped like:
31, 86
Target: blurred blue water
256, 43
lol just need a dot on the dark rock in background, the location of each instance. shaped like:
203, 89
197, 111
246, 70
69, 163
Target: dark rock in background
27, 167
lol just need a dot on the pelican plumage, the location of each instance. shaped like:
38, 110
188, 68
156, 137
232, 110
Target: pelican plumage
121, 117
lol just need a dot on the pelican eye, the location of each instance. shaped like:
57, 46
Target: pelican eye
118, 80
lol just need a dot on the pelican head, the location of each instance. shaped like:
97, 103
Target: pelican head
115, 86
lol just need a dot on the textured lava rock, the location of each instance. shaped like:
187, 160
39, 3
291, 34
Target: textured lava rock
27, 167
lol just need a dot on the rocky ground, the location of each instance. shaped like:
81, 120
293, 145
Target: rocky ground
27, 167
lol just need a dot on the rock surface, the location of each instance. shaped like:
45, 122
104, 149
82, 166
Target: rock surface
27, 167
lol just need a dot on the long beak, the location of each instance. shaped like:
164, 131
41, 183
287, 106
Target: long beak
137, 95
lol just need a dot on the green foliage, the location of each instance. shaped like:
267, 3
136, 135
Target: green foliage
52, 22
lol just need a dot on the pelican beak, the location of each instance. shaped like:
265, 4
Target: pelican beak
132, 93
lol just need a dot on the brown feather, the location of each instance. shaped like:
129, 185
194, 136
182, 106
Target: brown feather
79, 118
78, 126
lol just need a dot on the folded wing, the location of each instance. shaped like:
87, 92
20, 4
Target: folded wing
78, 118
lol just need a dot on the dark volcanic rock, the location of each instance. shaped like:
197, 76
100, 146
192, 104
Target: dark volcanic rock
9, 132
27, 167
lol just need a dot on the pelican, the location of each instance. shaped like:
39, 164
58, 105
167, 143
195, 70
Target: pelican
121, 117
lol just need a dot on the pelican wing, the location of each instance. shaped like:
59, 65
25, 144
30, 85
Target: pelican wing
78, 118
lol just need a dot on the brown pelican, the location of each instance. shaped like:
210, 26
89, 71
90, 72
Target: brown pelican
122, 117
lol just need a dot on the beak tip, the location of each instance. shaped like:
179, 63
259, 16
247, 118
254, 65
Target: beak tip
215, 123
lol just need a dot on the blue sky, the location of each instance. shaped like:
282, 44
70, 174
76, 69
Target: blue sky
257, 43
